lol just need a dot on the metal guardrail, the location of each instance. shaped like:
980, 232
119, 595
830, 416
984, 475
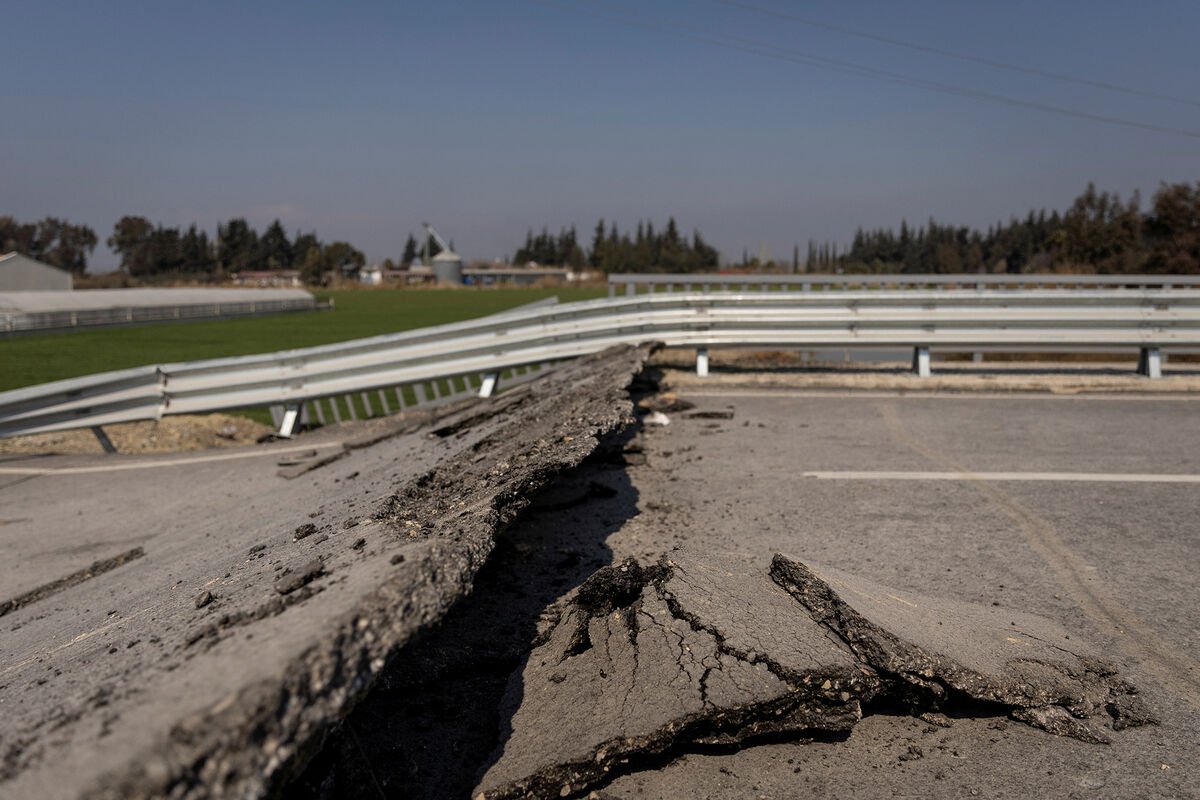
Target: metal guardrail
14, 322
651, 282
949, 320
424, 394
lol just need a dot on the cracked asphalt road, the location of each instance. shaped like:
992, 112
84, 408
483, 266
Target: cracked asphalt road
1107, 563
1112, 563
269, 588
748, 474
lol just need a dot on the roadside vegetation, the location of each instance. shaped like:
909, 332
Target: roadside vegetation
1098, 233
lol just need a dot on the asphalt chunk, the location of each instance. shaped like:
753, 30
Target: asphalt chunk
665, 402
712, 649
946, 650
303, 531
309, 572
696, 650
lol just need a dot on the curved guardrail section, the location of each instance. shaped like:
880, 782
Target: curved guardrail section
945, 320
809, 281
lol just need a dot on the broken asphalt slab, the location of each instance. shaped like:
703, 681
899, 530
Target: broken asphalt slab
714, 650
126, 686
947, 651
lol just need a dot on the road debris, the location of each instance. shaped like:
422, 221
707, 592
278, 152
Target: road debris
714, 650
309, 572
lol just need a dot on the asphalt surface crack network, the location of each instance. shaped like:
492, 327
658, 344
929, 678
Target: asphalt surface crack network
724, 651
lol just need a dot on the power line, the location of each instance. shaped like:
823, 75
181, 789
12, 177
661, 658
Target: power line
766, 50
989, 62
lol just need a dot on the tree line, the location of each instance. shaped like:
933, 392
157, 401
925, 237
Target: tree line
52, 241
1100, 233
644, 250
155, 251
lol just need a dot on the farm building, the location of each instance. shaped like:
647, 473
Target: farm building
20, 273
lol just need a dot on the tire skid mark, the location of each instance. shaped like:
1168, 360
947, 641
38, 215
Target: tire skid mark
1173, 668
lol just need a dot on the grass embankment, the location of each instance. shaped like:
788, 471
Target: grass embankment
26, 360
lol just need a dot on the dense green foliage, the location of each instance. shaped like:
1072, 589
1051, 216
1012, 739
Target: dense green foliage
52, 241
646, 250
1098, 233
26, 360
156, 251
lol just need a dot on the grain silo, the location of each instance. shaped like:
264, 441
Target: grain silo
447, 264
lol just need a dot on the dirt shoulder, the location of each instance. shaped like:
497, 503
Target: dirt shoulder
169, 435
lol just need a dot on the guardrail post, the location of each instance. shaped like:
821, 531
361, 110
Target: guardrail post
920, 362
291, 417
1150, 362
490, 381
612, 291
105, 442
702, 362
630, 289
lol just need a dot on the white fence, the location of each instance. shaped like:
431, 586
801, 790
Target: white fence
38, 312
946, 320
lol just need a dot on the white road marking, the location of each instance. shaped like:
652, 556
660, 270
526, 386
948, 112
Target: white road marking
175, 462
1076, 477
945, 394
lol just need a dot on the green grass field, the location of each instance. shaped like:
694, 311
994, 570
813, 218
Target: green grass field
26, 360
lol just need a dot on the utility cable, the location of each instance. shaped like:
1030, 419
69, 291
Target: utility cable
989, 62
766, 50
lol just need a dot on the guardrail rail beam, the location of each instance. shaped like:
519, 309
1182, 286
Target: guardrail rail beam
953, 320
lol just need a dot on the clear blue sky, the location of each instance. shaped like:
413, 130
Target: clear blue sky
361, 119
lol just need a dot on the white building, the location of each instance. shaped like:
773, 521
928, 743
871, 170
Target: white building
20, 273
371, 275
